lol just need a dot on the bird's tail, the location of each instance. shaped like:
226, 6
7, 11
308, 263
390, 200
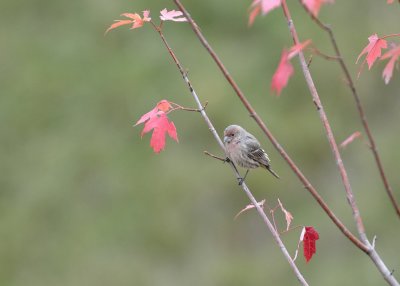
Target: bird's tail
272, 171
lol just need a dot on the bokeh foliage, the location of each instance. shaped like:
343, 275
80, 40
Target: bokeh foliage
85, 201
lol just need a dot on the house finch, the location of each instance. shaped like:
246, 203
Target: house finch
245, 150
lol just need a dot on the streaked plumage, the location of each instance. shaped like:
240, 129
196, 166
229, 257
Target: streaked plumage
245, 150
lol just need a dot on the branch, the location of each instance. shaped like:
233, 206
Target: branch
335, 150
260, 211
360, 108
306, 183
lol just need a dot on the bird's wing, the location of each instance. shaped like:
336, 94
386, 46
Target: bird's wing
256, 153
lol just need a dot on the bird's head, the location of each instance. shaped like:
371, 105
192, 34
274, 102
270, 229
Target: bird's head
231, 133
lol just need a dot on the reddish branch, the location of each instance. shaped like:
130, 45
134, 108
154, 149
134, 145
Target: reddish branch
306, 183
260, 210
327, 126
359, 107
387, 275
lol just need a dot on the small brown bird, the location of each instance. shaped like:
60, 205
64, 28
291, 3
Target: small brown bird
243, 149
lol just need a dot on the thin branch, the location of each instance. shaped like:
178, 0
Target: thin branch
215, 157
306, 183
261, 212
360, 108
317, 52
335, 150
327, 126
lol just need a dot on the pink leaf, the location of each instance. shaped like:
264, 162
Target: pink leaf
172, 16
288, 215
315, 5
157, 120
394, 55
373, 49
269, 5
147, 116
390, 1
136, 20
152, 123
164, 105
350, 139
172, 131
117, 24
264, 6
282, 74
253, 14
249, 207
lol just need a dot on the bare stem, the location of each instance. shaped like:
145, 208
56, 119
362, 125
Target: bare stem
360, 108
260, 210
306, 183
214, 156
335, 150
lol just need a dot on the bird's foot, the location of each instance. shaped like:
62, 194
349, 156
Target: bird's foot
240, 181
227, 160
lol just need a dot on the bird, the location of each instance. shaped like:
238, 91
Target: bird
243, 149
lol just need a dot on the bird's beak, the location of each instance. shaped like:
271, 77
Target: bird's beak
227, 139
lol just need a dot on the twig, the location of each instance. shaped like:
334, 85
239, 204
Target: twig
306, 183
178, 107
215, 157
360, 108
316, 51
261, 212
335, 150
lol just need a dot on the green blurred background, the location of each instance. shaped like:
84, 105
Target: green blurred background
85, 201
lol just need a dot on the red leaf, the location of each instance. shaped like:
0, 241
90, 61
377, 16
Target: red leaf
350, 139
314, 5
253, 14
136, 20
117, 24
269, 5
160, 125
373, 49
394, 55
164, 105
264, 6
147, 116
172, 15
157, 120
282, 74
310, 236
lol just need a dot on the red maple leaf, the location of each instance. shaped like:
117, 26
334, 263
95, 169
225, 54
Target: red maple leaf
285, 68
134, 19
157, 120
394, 55
373, 50
314, 5
264, 6
282, 74
309, 238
